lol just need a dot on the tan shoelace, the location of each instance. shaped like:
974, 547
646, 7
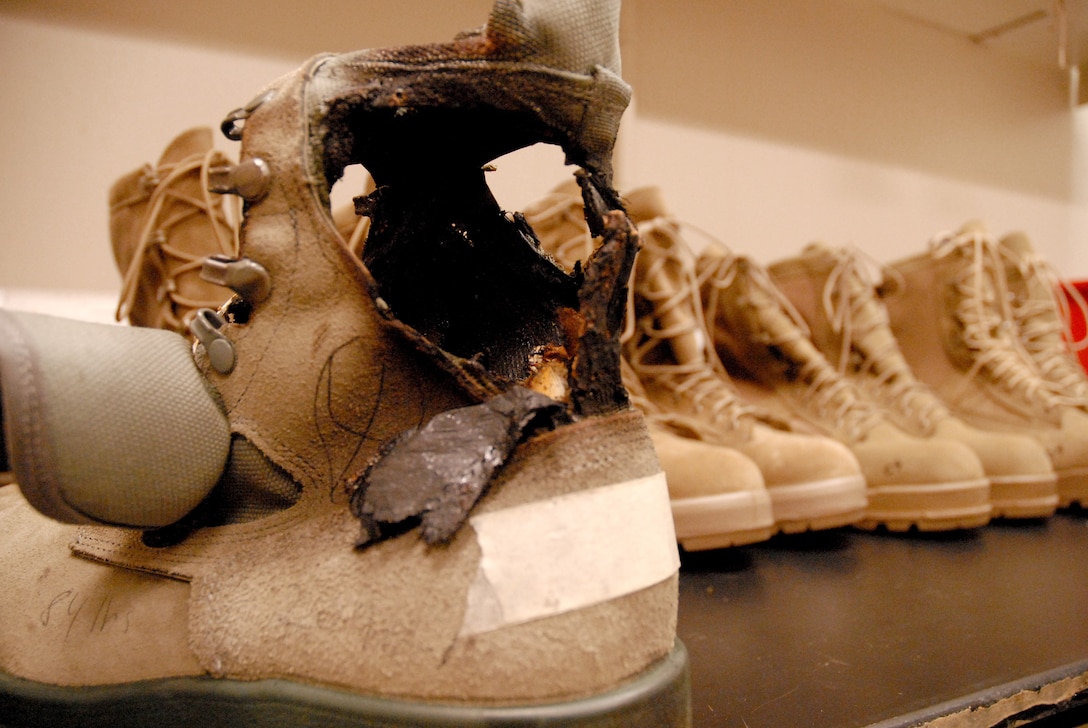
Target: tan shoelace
985, 316
828, 396
676, 321
154, 236
849, 301
1042, 321
568, 209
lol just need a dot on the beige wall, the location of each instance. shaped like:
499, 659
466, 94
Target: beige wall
767, 124
80, 109
774, 124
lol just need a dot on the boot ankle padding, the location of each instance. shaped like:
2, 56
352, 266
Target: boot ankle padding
107, 424
251, 488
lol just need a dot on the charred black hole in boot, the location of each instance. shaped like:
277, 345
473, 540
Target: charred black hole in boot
448, 260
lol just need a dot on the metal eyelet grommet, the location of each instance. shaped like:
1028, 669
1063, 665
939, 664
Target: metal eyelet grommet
245, 277
220, 350
249, 180
232, 125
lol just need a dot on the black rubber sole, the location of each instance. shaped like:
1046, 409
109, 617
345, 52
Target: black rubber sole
661, 696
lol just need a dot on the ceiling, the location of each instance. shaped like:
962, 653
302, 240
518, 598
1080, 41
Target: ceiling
292, 30
1044, 32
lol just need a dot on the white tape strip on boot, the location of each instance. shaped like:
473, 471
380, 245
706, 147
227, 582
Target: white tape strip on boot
570, 552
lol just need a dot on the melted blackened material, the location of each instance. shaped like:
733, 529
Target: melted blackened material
451, 265
435, 474
596, 387
472, 287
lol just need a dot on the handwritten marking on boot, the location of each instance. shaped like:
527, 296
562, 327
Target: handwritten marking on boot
356, 410
66, 608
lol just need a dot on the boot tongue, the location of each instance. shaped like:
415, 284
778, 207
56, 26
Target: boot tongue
877, 344
819, 250
780, 327
187, 144
781, 349
973, 227
1018, 243
674, 279
645, 203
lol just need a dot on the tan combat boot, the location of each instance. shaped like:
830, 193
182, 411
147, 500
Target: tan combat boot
1041, 313
541, 584
954, 325
912, 482
836, 294
819, 484
718, 495
164, 221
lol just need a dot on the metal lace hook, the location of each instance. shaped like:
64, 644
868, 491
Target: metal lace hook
205, 327
232, 125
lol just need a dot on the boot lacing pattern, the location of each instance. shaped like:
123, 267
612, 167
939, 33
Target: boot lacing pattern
855, 315
1043, 321
153, 246
986, 320
675, 422
561, 210
828, 396
701, 380
675, 320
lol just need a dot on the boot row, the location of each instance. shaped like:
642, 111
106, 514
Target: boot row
780, 399
797, 369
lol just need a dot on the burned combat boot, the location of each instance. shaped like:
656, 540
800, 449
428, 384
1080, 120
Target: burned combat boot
835, 292
764, 343
438, 507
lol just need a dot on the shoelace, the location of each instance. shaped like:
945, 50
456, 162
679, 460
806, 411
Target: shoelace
154, 236
677, 314
827, 394
699, 382
358, 236
986, 318
849, 300
673, 421
561, 207
1043, 321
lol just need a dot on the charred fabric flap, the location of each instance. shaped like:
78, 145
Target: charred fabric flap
437, 473
473, 281
465, 281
